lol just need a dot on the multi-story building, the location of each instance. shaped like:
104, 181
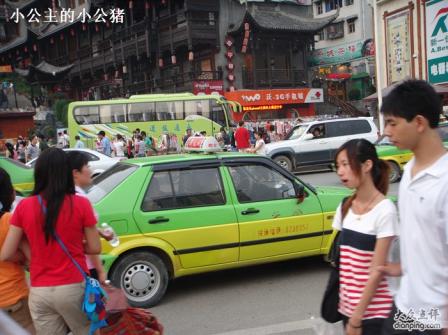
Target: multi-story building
343, 60
161, 46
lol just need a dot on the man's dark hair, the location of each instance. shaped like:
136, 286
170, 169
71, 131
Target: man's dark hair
41, 136
241, 123
412, 98
77, 137
65, 131
77, 159
6, 192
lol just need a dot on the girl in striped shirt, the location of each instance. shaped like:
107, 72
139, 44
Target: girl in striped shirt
368, 223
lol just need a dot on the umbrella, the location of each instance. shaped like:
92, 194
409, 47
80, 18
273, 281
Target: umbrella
385, 91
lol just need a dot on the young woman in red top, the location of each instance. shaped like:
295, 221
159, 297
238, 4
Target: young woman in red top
57, 286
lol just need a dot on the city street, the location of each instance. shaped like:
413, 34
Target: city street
278, 298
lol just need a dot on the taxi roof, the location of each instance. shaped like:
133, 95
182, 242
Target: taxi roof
172, 158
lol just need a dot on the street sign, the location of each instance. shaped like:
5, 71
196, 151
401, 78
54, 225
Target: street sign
437, 40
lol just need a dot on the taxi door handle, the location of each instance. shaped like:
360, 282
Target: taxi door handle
250, 211
159, 219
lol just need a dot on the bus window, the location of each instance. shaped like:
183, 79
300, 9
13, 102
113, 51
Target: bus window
218, 113
86, 115
113, 113
197, 107
142, 111
170, 110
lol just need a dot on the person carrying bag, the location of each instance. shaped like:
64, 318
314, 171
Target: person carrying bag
367, 224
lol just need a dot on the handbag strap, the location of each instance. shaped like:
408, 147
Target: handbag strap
62, 245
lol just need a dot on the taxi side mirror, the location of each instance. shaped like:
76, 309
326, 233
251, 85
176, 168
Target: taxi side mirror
300, 193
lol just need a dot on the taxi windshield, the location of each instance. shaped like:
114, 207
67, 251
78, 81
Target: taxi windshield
108, 180
296, 132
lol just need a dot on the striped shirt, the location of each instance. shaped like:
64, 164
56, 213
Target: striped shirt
358, 238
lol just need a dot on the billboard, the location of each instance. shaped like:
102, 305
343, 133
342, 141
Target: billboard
437, 40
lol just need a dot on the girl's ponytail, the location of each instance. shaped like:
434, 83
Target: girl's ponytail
380, 175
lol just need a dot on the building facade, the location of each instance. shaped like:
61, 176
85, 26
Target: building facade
198, 46
343, 60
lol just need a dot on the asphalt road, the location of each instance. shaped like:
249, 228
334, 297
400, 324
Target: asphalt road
280, 298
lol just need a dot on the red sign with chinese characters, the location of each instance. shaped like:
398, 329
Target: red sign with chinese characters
208, 87
273, 97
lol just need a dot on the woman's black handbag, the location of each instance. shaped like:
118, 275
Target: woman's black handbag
329, 307
330, 302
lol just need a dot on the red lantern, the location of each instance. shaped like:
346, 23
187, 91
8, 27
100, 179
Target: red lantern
190, 56
131, 4
160, 62
97, 28
173, 59
52, 40
147, 5
229, 54
25, 49
244, 49
83, 27
230, 66
34, 47
246, 26
62, 37
232, 88
72, 32
117, 74
106, 77
230, 77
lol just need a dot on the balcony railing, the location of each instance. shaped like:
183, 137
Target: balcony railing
273, 78
173, 83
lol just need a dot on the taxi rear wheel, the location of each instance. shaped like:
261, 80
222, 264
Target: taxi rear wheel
395, 172
143, 276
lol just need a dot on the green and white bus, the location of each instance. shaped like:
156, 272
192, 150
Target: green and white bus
155, 114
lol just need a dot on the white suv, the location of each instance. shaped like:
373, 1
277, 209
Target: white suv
316, 142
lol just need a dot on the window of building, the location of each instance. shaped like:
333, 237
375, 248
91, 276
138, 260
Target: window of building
351, 26
321, 35
348, 2
335, 31
259, 182
184, 189
332, 5
319, 7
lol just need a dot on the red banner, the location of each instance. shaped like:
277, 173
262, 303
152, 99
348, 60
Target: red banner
208, 86
276, 96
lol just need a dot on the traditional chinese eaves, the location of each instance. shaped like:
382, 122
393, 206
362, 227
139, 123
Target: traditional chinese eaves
280, 17
43, 69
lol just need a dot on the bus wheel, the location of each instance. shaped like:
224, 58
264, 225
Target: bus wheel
284, 162
143, 276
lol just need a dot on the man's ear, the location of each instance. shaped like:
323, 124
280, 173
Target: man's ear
421, 123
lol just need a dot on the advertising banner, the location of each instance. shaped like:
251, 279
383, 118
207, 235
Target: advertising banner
437, 40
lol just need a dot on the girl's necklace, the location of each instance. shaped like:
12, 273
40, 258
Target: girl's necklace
364, 209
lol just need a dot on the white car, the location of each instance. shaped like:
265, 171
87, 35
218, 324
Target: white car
98, 162
316, 142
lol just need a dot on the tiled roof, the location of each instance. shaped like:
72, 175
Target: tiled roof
282, 16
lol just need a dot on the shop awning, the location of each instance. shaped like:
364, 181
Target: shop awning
338, 76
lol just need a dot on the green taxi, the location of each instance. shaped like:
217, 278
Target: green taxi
22, 176
184, 214
397, 158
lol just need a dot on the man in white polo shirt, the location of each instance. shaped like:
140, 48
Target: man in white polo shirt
411, 112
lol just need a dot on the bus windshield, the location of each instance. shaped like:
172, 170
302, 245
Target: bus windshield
156, 114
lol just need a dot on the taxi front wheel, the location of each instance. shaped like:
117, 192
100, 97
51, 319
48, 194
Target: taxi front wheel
143, 276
